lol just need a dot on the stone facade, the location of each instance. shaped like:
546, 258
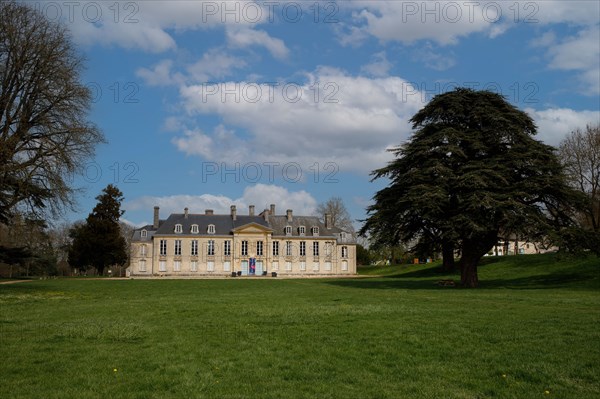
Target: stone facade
198, 245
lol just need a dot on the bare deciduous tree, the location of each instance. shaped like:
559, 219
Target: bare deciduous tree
45, 136
580, 155
340, 217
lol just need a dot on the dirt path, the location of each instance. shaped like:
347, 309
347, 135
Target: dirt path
14, 281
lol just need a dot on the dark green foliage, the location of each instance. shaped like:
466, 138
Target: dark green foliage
470, 170
363, 256
99, 242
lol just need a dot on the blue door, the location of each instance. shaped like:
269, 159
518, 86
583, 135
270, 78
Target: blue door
252, 270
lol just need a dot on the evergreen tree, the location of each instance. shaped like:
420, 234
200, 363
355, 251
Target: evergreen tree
99, 242
471, 169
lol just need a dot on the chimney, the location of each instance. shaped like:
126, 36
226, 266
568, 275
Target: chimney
272, 211
328, 221
156, 219
289, 215
208, 212
185, 213
265, 215
233, 212
251, 210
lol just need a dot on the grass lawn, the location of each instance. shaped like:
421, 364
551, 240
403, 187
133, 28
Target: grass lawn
532, 327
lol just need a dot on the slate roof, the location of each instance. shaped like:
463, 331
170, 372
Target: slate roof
224, 224
278, 224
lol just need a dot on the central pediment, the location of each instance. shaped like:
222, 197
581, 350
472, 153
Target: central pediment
251, 228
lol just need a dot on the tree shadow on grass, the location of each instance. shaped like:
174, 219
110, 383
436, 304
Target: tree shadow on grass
427, 279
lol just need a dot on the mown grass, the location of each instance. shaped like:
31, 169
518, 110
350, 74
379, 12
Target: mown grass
531, 327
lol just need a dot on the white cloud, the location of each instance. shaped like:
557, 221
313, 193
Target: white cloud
433, 60
260, 195
160, 74
580, 53
445, 22
556, 123
379, 67
441, 21
215, 63
245, 37
349, 120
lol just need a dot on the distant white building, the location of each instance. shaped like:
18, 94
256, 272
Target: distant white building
196, 245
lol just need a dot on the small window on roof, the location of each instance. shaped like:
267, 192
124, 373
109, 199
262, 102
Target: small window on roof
178, 228
211, 229
315, 231
343, 235
144, 233
288, 230
194, 229
301, 230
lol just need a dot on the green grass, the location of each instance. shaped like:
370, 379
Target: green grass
391, 334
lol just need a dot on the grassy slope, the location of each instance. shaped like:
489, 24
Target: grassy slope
394, 335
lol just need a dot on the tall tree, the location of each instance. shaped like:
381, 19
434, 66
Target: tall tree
580, 155
340, 217
99, 242
44, 132
471, 169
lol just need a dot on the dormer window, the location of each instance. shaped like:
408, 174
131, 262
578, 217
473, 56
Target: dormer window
211, 229
194, 229
288, 230
315, 231
302, 230
343, 236
178, 228
144, 233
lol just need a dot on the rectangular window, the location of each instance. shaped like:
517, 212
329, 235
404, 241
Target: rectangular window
275, 248
211, 247
302, 248
163, 247
259, 248
210, 266
143, 265
288, 266
328, 247
143, 250
194, 266
316, 266
288, 248
301, 230
328, 266
177, 247
227, 266
244, 248
194, 229
344, 252
303, 266
177, 266
227, 248
345, 265
315, 231
194, 248
316, 248
275, 265
162, 266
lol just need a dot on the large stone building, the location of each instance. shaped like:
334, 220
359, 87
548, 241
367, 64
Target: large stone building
188, 245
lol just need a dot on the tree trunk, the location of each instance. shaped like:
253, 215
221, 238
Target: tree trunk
448, 257
468, 272
473, 250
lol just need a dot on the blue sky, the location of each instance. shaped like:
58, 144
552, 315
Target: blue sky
206, 104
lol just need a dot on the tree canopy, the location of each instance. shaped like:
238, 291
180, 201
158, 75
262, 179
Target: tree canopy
470, 170
45, 136
98, 242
